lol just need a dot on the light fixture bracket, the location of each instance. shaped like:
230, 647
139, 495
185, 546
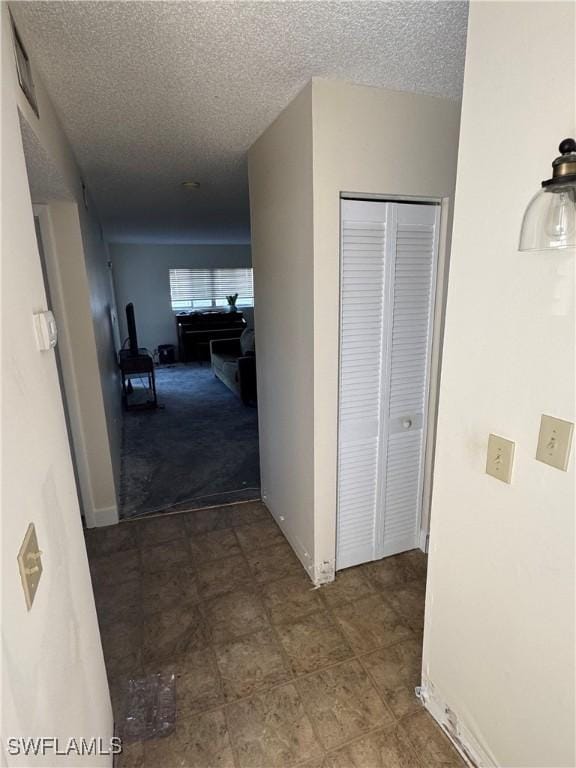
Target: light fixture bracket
564, 166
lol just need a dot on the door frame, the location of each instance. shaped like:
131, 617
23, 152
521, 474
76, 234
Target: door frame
66, 374
434, 362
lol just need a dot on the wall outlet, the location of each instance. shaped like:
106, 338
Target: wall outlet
554, 442
500, 458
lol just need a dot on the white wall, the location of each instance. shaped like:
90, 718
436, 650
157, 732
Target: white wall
141, 275
357, 139
280, 177
80, 266
53, 677
499, 637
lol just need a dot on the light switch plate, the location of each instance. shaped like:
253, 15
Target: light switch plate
30, 564
554, 442
500, 457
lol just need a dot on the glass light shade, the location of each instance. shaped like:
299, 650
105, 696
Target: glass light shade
550, 219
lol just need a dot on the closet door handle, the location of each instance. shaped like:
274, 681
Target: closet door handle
406, 423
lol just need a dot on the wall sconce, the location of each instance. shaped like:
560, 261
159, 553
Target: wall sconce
550, 219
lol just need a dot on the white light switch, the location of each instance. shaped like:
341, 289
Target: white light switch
30, 564
500, 458
554, 442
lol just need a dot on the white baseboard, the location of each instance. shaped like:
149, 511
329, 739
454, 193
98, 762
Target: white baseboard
467, 744
98, 518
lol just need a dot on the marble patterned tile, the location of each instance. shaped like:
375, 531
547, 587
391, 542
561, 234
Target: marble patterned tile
312, 643
246, 513
158, 530
371, 623
110, 539
291, 598
117, 602
162, 590
349, 585
221, 576
115, 568
205, 520
122, 647
430, 743
272, 730
201, 741
118, 686
408, 601
342, 703
170, 634
396, 671
235, 614
418, 561
198, 686
250, 664
214, 546
387, 748
259, 535
171, 554
391, 571
317, 762
132, 755
273, 563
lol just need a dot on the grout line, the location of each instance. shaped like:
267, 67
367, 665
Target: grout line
288, 665
387, 728
154, 514
358, 657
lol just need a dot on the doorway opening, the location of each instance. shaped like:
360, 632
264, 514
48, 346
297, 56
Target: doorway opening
190, 439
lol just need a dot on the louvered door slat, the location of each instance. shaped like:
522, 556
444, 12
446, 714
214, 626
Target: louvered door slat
362, 307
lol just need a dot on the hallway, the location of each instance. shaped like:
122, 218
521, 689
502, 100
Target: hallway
200, 447
270, 672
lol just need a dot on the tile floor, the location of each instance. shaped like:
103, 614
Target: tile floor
270, 673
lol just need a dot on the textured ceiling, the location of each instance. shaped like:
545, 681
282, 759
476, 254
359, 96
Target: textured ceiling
44, 178
152, 93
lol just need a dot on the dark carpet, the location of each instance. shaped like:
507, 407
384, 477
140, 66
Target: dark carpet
198, 449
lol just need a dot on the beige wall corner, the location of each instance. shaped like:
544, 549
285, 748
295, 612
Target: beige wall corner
52, 668
334, 137
499, 638
280, 177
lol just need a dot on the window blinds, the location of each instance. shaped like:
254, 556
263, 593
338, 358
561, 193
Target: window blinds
209, 287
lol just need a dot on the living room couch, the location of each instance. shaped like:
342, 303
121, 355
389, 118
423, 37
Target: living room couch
234, 363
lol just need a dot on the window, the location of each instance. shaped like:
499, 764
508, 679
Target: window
208, 288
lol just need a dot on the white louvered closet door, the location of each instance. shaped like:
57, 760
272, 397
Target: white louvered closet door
389, 254
363, 268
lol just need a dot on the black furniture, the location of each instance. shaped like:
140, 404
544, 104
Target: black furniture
137, 365
234, 363
197, 329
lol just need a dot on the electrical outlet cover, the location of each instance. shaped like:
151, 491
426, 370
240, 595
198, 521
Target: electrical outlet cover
554, 442
500, 457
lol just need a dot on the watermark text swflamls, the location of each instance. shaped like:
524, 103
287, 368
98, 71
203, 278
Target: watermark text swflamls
53, 745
